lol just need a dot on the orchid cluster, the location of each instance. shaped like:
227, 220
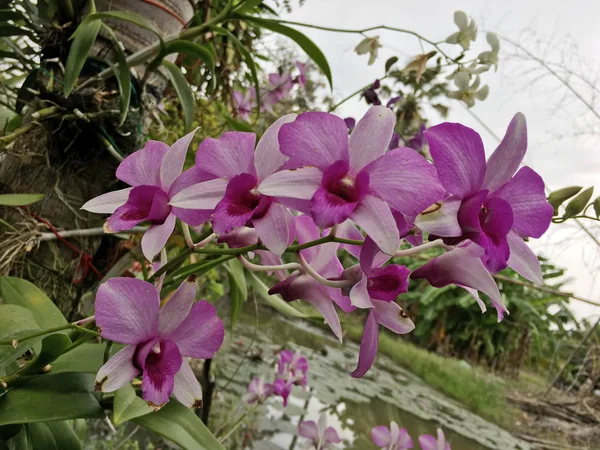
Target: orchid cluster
292, 370
396, 438
279, 87
309, 181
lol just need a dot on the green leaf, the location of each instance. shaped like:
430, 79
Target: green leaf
597, 207
53, 346
301, 39
87, 358
238, 292
60, 396
237, 125
199, 51
390, 62
121, 70
184, 92
6, 15
238, 273
19, 199
577, 205
275, 300
84, 38
557, 198
248, 60
7, 30
52, 436
180, 425
15, 321
16, 291
247, 6
127, 405
25, 95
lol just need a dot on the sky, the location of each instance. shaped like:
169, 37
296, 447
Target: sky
564, 134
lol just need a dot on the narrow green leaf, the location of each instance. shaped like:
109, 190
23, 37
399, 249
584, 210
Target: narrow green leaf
16, 291
248, 59
25, 95
84, 38
180, 425
53, 346
236, 124
239, 276
6, 15
301, 39
7, 30
184, 92
15, 321
275, 301
52, 436
597, 207
248, 6
194, 49
557, 198
51, 396
121, 70
237, 301
390, 62
127, 405
19, 199
87, 358
577, 205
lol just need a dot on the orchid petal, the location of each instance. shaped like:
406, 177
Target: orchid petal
317, 296
381, 436
314, 139
172, 164
156, 237
117, 371
473, 293
272, 229
204, 195
443, 221
127, 310
201, 333
328, 209
229, 155
143, 167
177, 307
506, 159
459, 157
309, 430
374, 216
368, 346
159, 369
526, 195
331, 436
107, 203
143, 203
186, 387
461, 267
406, 180
267, 157
428, 442
359, 294
522, 260
386, 283
371, 136
295, 183
392, 316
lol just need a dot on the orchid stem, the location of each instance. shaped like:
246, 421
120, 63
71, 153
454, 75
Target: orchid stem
73, 326
420, 248
355, 93
259, 268
313, 273
187, 235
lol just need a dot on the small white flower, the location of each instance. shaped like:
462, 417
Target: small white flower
369, 45
467, 31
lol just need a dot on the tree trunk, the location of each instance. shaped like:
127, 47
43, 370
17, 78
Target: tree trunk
67, 160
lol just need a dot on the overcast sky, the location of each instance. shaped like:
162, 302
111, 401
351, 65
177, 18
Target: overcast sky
564, 136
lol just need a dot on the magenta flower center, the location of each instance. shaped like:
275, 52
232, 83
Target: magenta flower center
147, 203
496, 218
347, 188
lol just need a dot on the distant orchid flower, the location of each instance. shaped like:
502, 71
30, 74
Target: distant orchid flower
322, 259
232, 195
370, 94
371, 46
320, 436
336, 177
376, 289
258, 391
468, 92
467, 31
393, 438
292, 370
242, 104
428, 442
488, 203
128, 311
491, 57
281, 84
153, 173
302, 68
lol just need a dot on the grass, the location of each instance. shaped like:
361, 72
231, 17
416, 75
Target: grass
477, 390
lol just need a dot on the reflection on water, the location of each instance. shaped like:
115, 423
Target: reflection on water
386, 393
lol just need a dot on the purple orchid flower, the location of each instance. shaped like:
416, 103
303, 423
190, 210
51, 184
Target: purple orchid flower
392, 101
370, 94
350, 123
319, 435
302, 68
337, 177
128, 311
232, 195
488, 203
418, 141
428, 442
282, 84
154, 174
376, 289
242, 104
392, 438
322, 259
258, 391
292, 370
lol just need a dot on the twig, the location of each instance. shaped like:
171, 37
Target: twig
99, 231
